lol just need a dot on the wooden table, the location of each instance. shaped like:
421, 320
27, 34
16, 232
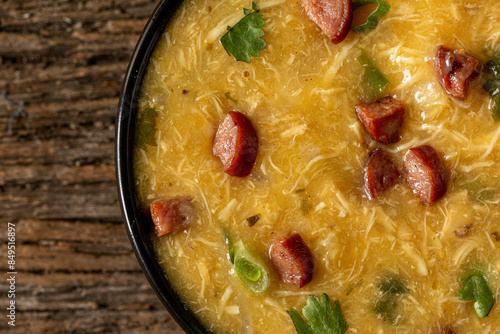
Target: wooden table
75, 271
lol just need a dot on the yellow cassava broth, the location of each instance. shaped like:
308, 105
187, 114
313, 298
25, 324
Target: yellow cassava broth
300, 95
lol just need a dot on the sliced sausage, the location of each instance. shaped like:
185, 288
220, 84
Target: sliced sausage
426, 174
334, 17
454, 70
172, 215
293, 259
379, 175
236, 144
382, 119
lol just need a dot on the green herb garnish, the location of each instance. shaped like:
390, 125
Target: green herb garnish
393, 284
230, 244
478, 192
249, 267
372, 19
323, 318
492, 86
146, 128
476, 288
392, 288
374, 82
244, 39
228, 96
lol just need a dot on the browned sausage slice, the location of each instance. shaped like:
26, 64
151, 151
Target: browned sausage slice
454, 69
236, 144
382, 119
425, 174
172, 215
293, 259
334, 17
379, 175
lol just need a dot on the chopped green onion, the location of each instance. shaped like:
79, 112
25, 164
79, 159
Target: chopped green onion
372, 19
251, 270
229, 243
146, 128
495, 107
374, 81
249, 267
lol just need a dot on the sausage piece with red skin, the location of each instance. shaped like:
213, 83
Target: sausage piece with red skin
380, 174
293, 259
454, 70
426, 174
236, 144
172, 215
334, 17
382, 119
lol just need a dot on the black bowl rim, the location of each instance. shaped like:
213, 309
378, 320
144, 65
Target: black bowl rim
140, 236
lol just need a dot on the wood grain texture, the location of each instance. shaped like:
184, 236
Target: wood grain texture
76, 271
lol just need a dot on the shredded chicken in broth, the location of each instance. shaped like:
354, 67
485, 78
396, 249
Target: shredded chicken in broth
394, 262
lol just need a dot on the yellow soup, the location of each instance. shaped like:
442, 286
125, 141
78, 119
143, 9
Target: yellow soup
300, 95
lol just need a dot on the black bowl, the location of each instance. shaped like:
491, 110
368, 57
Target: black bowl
138, 224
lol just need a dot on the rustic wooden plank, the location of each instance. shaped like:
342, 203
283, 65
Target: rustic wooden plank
64, 175
33, 231
40, 282
76, 270
80, 152
117, 299
84, 202
95, 321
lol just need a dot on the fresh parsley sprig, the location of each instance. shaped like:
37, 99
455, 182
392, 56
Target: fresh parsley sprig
323, 318
244, 39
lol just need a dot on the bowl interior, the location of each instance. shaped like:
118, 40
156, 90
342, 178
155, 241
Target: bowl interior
137, 222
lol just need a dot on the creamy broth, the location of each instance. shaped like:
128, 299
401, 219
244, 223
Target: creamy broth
300, 95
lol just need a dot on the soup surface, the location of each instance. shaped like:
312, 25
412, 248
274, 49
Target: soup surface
300, 94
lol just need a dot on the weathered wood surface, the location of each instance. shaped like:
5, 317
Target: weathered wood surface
76, 271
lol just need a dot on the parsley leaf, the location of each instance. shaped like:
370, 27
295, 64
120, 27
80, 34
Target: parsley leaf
476, 288
243, 40
322, 316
